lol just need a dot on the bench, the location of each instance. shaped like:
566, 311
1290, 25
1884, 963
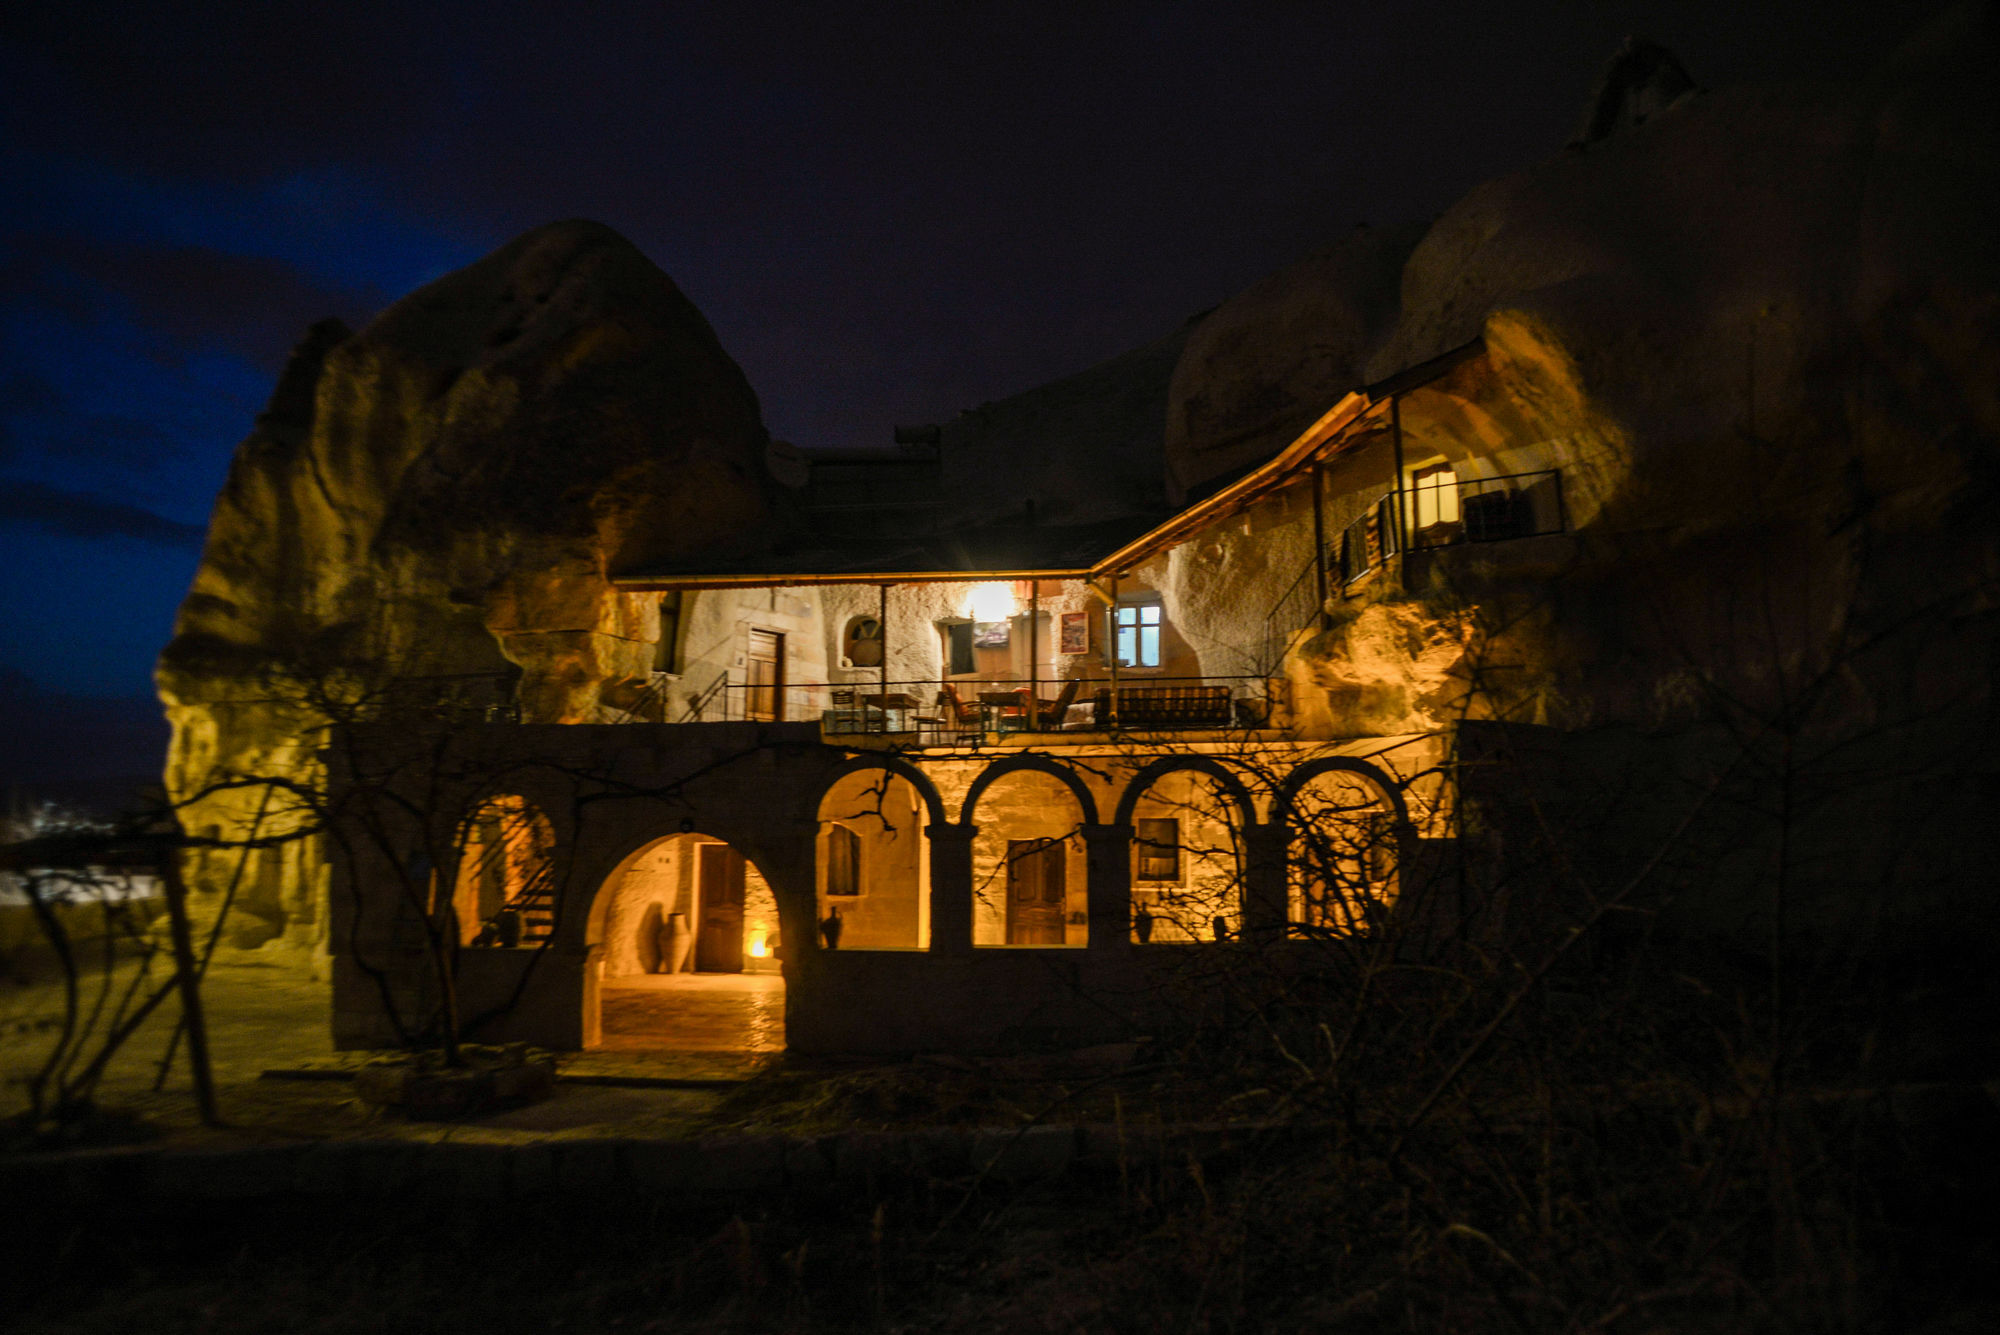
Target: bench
1167, 707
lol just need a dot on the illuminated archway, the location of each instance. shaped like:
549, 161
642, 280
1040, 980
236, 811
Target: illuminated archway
1187, 815
1029, 869
873, 861
1344, 836
687, 947
504, 892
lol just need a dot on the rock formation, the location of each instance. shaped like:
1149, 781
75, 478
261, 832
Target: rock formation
430, 507
1265, 364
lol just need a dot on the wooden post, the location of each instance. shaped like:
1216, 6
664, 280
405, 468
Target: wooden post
190, 985
882, 668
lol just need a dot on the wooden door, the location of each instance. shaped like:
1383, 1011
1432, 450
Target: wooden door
1036, 885
718, 943
765, 675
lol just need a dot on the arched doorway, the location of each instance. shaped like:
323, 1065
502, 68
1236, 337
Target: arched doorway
1187, 859
874, 863
504, 894
1028, 864
687, 951
1344, 853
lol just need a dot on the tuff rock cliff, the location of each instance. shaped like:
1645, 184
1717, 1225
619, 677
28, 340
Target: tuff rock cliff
432, 504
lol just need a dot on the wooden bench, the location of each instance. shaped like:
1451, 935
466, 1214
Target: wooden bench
1167, 707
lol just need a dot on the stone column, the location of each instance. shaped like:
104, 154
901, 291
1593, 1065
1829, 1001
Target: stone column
1108, 860
1266, 896
951, 887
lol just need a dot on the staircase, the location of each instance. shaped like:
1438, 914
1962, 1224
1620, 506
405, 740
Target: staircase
536, 903
533, 901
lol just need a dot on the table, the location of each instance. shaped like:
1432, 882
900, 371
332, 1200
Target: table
1004, 711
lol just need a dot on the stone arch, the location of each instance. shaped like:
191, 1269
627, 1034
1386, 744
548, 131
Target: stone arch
1343, 861
872, 860
504, 886
1165, 765
903, 769
1030, 866
1187, 869
636, 994
1290, 787
1015, 764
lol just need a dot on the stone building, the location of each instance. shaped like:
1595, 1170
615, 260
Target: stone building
1640, 487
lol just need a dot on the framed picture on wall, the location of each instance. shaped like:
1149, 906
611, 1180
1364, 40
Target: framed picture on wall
1075, 633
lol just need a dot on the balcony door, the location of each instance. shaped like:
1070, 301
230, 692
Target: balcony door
765, 676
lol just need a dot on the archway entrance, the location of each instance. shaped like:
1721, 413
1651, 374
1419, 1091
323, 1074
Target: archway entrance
686, 931
1343, 855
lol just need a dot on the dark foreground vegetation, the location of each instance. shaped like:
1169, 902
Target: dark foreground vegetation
1617, 1155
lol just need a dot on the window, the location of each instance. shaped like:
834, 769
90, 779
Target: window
667, 653
1434, 496
843, 861
1159, 850
1366, 542
958, 649
1138, 627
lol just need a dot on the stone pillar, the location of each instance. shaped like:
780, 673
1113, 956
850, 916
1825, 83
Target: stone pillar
951, 887
1266, 896
1108, 859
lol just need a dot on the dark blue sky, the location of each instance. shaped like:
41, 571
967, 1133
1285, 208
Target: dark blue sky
888, 212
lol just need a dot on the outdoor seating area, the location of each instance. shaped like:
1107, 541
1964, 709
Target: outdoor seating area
952, 712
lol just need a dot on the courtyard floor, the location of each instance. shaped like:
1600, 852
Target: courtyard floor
675, 1047
695, 1012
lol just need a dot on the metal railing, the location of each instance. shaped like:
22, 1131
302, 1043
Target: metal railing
1487, 509
931, 712
1297, 607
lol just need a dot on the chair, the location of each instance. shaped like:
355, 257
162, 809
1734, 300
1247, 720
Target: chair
1051, 713
957, 713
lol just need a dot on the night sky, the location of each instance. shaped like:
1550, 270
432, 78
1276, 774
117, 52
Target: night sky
888, 213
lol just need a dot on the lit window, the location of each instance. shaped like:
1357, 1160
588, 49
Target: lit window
1434, 492
1159, 849
843, 861
1138, 637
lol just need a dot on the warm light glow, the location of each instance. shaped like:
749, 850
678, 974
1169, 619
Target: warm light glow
993, 601
757, 946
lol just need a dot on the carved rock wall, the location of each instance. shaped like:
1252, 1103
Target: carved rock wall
443, 494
